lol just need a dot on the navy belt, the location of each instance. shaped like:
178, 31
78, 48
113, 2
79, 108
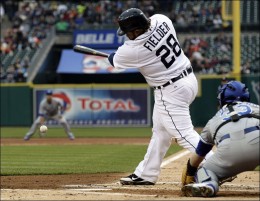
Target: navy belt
246, 131
183, 74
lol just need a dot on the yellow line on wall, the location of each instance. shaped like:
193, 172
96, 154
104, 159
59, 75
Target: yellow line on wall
39, 86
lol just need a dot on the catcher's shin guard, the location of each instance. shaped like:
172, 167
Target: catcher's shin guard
204, 175
188, 174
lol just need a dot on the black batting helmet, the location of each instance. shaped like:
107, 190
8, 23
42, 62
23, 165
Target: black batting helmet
132, 19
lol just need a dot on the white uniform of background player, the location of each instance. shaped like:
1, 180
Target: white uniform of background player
50, 109
160, 59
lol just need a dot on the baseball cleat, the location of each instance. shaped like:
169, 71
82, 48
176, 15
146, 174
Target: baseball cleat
198, 190
71, 136
134, 180
26, 138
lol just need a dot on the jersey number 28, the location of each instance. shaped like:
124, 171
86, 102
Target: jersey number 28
171, 46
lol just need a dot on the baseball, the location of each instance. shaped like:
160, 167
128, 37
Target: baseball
43, 128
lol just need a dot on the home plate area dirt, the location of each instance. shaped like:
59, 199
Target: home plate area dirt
107, 186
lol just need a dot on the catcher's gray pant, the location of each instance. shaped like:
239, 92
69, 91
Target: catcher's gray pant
58, 118
236, 153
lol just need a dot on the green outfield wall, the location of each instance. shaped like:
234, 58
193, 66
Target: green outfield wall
205, 105
17, 100
16, 105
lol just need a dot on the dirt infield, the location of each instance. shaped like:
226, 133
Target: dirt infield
107, 187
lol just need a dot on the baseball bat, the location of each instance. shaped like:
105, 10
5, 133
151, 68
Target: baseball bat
87, 50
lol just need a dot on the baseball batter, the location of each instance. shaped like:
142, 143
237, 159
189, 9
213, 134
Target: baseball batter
50, 108
154, 49
235, 131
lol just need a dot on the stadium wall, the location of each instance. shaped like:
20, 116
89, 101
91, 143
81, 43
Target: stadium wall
17, 100
16, 105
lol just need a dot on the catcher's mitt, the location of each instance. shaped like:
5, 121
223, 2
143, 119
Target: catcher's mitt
188, 174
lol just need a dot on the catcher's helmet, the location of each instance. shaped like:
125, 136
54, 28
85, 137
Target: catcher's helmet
132, 19
233, 91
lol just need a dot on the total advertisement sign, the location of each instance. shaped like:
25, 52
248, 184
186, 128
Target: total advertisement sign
100, 107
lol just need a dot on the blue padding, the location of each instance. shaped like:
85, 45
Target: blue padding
251, 129
111, 57
226, 136
203, 148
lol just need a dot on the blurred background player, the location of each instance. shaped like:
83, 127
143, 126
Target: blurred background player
235, 131
50, 109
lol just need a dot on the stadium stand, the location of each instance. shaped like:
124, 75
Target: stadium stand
31, 22
213, 53
20, 42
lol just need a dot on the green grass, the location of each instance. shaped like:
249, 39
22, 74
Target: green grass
19, 132
72, 159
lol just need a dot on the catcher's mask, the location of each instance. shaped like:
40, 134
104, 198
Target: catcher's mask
132, 19
233, 91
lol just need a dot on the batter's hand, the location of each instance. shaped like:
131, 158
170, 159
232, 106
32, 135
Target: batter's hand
188, 174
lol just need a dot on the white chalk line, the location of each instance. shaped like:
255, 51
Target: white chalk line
164, 163
116, 185
174, 158
124, 194
92, 189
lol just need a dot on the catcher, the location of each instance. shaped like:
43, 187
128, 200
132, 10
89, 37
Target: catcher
235, 132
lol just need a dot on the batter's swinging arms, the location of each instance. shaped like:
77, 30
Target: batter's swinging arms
154, 49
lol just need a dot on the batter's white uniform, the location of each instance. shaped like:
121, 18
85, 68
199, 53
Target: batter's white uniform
159, 57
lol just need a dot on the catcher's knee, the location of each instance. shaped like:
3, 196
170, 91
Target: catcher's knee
204, 175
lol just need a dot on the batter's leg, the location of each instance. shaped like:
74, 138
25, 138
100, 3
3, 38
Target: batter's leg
189, 139
175, 112
33, 128
149, 169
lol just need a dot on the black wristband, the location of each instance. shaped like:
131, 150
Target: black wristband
190, 169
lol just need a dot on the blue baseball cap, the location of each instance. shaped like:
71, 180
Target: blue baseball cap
49, 92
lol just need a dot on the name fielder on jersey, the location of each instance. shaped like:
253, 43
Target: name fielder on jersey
156, 37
